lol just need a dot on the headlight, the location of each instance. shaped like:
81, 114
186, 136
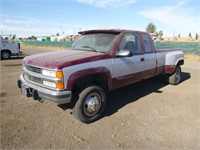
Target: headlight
53, 83
51, 73
50, 84
57, 85
48, 73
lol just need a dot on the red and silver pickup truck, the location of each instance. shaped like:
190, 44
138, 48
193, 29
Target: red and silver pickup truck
98, 62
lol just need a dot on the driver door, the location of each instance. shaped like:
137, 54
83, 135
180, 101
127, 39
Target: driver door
128, 69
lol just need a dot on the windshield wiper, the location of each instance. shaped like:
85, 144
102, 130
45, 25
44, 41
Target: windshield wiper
90, 48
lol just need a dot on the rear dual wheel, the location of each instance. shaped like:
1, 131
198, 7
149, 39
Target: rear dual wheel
175, 78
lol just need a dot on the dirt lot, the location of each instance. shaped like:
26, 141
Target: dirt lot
146, 115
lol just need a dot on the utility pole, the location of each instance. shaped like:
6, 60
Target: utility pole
60, 27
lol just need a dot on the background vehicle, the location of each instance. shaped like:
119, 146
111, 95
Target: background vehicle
9, 48
98, 62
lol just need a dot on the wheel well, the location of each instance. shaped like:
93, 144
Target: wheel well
181, 62
98, 79
6, 50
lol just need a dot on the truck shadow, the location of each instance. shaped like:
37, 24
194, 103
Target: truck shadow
123, 96
13, 58
17, 57
129, 94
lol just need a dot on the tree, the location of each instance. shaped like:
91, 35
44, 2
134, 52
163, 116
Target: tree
179, 35
57, 34
151, 28
32, 37
160, 34
190, 35
197, 36
156, 34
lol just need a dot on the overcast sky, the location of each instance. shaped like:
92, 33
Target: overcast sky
47, 17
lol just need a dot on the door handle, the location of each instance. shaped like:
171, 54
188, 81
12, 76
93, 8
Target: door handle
141, 59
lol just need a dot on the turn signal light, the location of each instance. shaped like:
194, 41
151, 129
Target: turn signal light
60, 85
59, 74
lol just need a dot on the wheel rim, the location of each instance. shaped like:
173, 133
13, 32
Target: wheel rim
5, 55
92, 104
178, 75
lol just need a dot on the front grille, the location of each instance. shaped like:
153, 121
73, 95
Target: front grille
33, 69
34, 79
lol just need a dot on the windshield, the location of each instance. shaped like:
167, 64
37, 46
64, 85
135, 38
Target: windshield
96, 42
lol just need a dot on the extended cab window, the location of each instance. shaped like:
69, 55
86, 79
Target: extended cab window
130, 42
147, 43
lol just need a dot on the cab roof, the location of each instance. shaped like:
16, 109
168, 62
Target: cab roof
114, 31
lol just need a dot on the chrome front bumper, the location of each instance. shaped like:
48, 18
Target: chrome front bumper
39, 93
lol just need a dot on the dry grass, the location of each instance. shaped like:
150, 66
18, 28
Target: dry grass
181, 39
192, 57
44, 47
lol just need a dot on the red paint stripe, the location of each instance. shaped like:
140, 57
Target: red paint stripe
88, 73
170, 69
84, 60
133, 78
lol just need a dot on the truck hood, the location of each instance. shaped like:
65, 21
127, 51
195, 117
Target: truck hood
61, 59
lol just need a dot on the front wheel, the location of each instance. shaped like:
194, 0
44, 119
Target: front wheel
90, 104
5, 54
175, 78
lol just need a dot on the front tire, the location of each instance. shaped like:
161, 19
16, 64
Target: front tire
5, 54
90, 104
175, 78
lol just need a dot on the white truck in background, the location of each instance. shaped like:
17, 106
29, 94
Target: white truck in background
9, 48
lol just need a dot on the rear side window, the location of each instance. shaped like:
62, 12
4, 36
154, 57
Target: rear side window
130, 42
147, 44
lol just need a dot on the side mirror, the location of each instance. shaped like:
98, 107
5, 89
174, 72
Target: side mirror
124, 53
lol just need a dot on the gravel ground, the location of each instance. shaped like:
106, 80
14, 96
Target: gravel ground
146, 115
